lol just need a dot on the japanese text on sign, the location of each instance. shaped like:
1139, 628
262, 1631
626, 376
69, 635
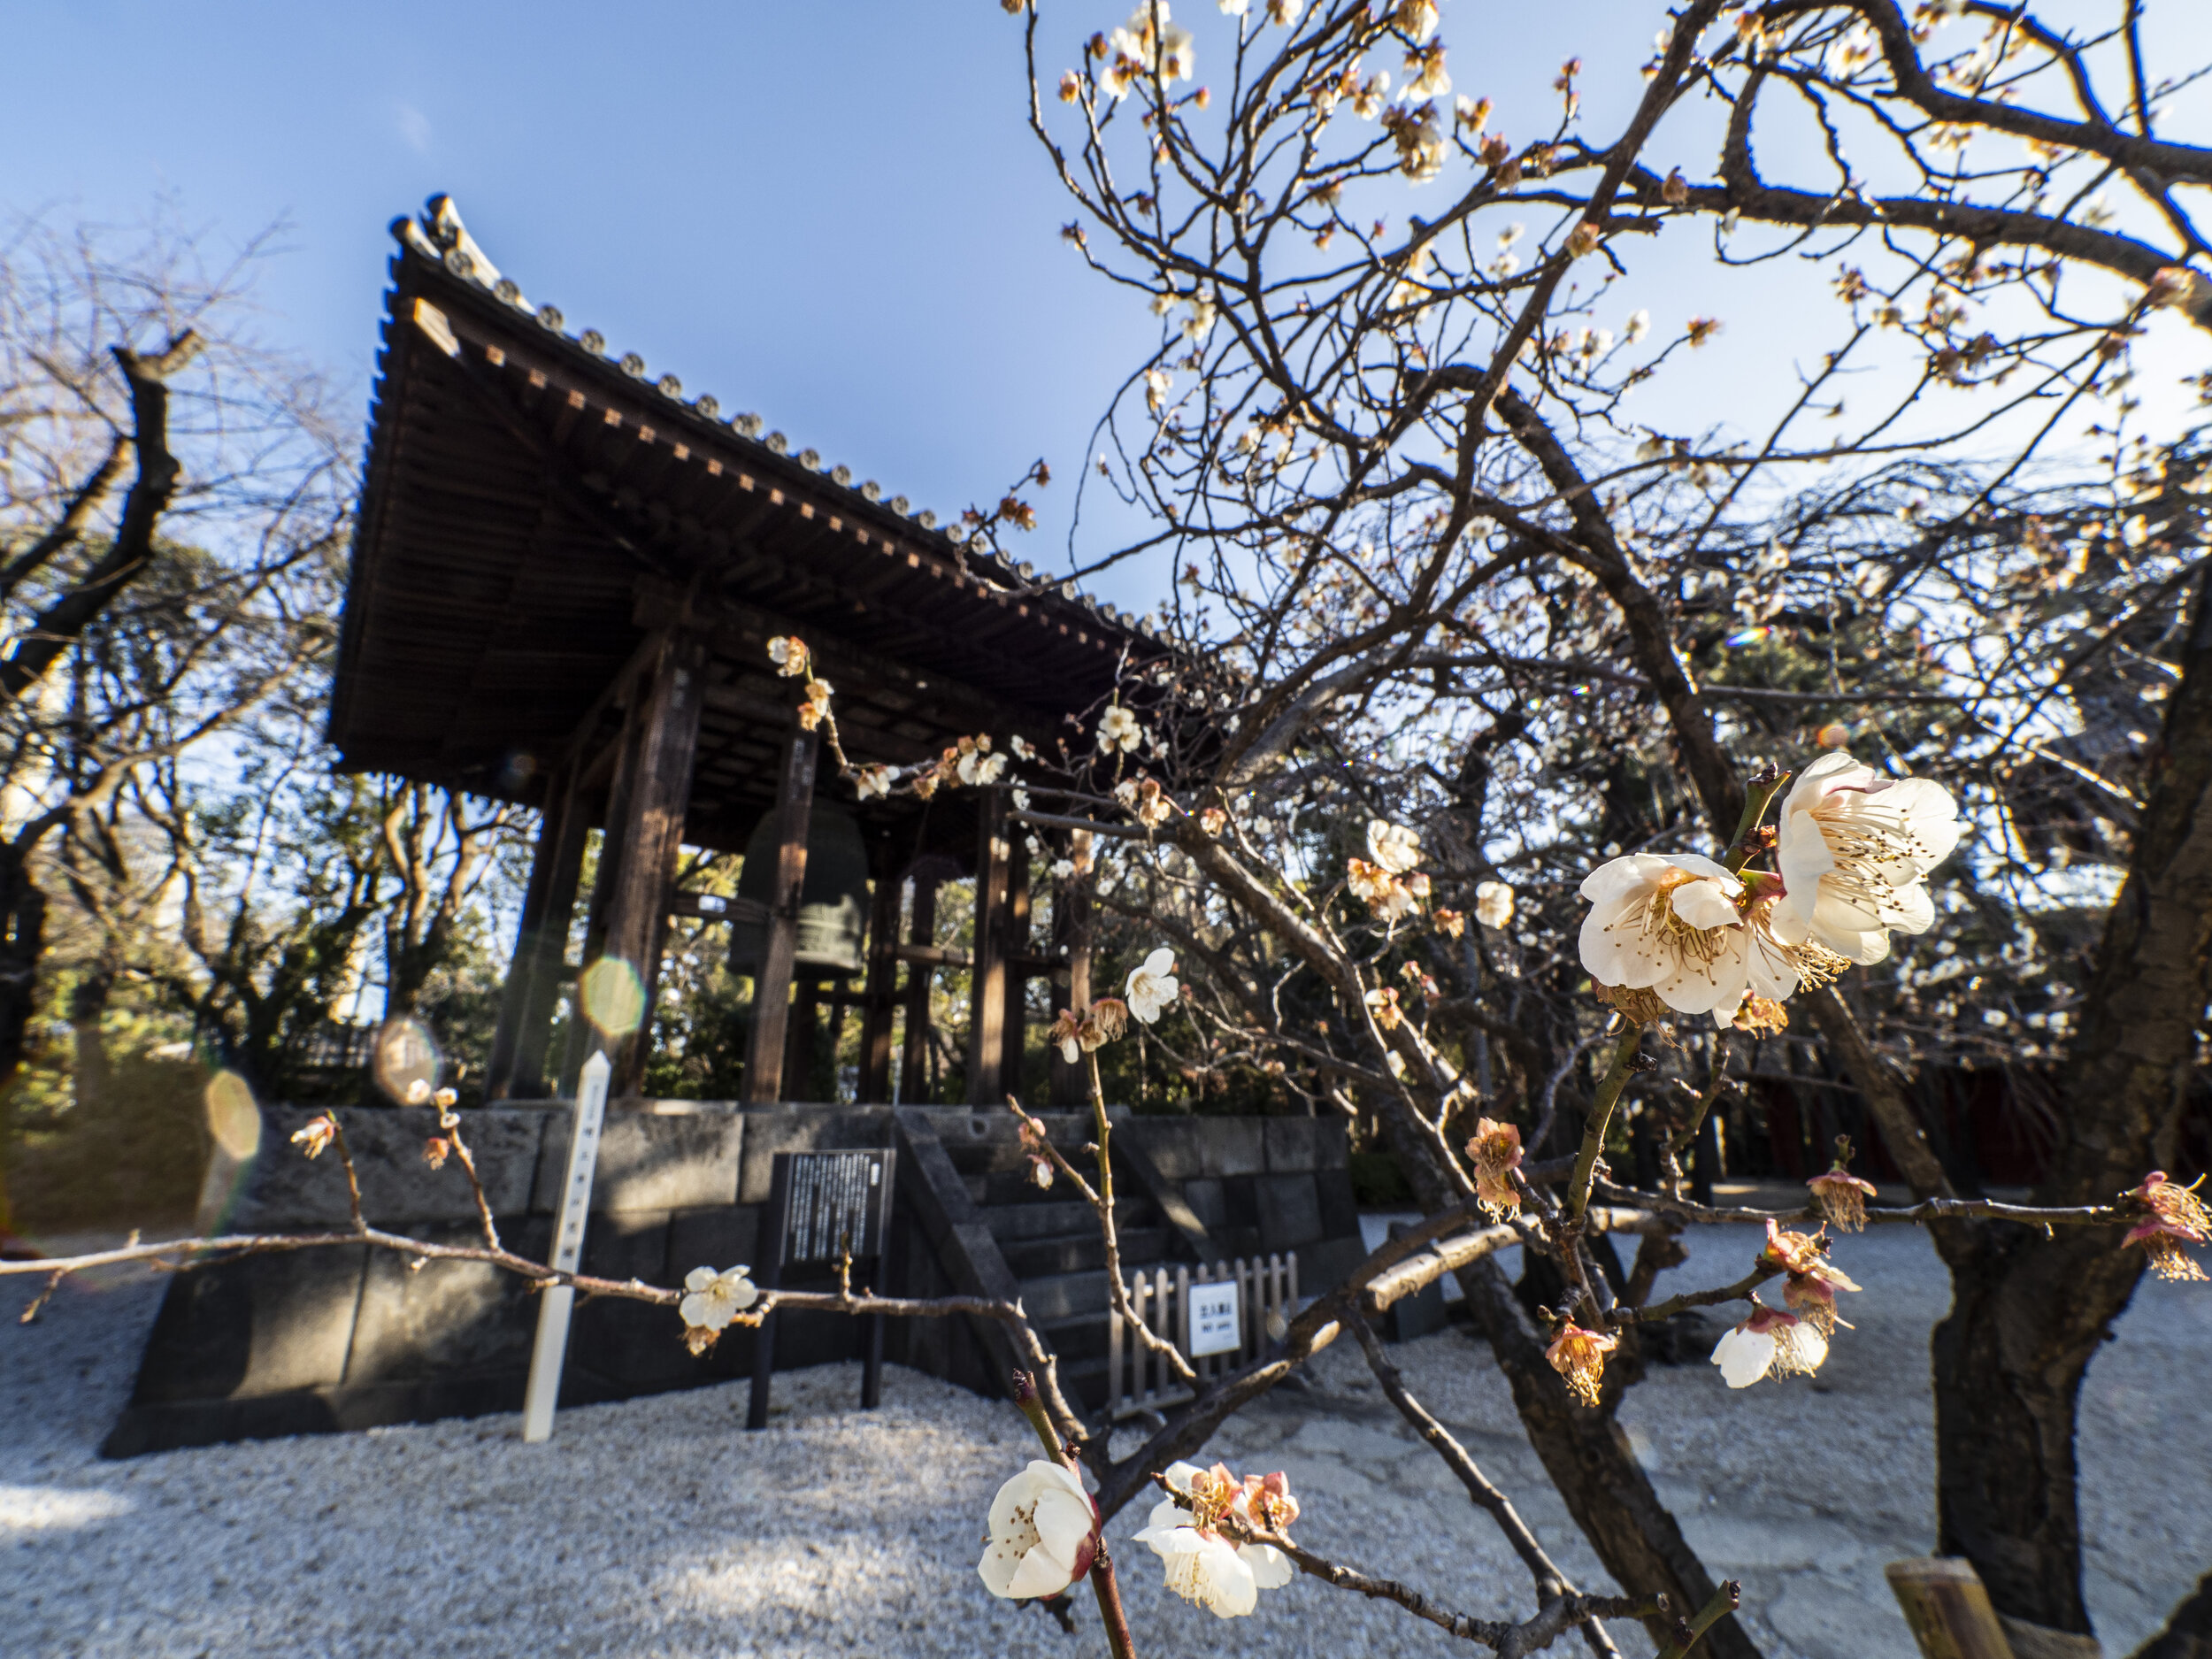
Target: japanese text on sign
1213, 1319
836, 1205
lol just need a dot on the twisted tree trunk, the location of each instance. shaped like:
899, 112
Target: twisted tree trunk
2030, 1311
1587, 1456
55, 631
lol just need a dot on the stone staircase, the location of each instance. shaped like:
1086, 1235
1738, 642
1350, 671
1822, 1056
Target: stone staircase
1052, 1244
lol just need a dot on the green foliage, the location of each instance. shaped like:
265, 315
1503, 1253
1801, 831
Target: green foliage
130, 1151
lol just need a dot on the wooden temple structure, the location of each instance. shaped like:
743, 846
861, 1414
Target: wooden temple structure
565, 576
565, 573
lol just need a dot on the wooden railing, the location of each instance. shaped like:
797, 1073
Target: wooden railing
1138, 1380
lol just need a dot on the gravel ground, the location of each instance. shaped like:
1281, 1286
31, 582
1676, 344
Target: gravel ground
659, 1527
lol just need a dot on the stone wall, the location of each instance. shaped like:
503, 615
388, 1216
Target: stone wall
347, 1337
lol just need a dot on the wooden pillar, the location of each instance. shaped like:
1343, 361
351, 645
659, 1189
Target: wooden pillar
986, 979
1072, 940
1016, 946
614, 820
881, 986
533, 981
914, 1054
772, 984
645, 833
799, 1039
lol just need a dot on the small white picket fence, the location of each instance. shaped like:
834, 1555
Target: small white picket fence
1138, 1380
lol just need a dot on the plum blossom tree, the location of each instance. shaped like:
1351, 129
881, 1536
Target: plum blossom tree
1451, 624
1423, 549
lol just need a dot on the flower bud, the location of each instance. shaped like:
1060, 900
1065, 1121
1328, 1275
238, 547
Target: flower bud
316, 1135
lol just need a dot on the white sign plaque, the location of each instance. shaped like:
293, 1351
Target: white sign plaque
549, 1351
1214, 1325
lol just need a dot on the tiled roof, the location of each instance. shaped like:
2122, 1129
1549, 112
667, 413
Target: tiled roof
440, 236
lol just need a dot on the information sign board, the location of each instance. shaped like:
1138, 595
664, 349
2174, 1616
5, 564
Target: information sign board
836, 1205
1214, 1325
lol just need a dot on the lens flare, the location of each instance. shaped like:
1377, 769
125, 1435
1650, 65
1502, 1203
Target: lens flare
232, 1117
233, 1123
613, 996
1746, 637
1835, 734
407, 1061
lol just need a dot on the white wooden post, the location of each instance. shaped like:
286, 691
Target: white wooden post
554, 1304
1113, 1360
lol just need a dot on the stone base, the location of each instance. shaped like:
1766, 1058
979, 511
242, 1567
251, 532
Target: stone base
347, 1337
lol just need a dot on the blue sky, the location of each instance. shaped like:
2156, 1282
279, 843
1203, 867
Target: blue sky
827, 210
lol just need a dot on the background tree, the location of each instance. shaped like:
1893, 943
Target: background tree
140, 627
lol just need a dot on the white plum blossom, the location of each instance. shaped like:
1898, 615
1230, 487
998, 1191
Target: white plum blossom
1152, 986
1204, 1566
1147, 43
1393, 846
978, 765
1394, 898
1854, 852
1118, 728
1669, 923
712, 1300
1425, 68
1235, 8
1769, 1340
1043, 1527
1493, 903
1416, 132
1638, 326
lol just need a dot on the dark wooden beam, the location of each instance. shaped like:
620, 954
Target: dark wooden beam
799, 1038
648, 834
614, 821
744, 630
986, 980
1071, 935
771, 986
933, 956
914, 1052
1014, 950
879, 993
713, 907
534, 979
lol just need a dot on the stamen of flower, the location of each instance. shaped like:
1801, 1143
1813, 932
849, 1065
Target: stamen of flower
1657, 920
1817, 965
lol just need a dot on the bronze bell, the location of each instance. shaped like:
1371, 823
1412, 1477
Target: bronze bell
832, 900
